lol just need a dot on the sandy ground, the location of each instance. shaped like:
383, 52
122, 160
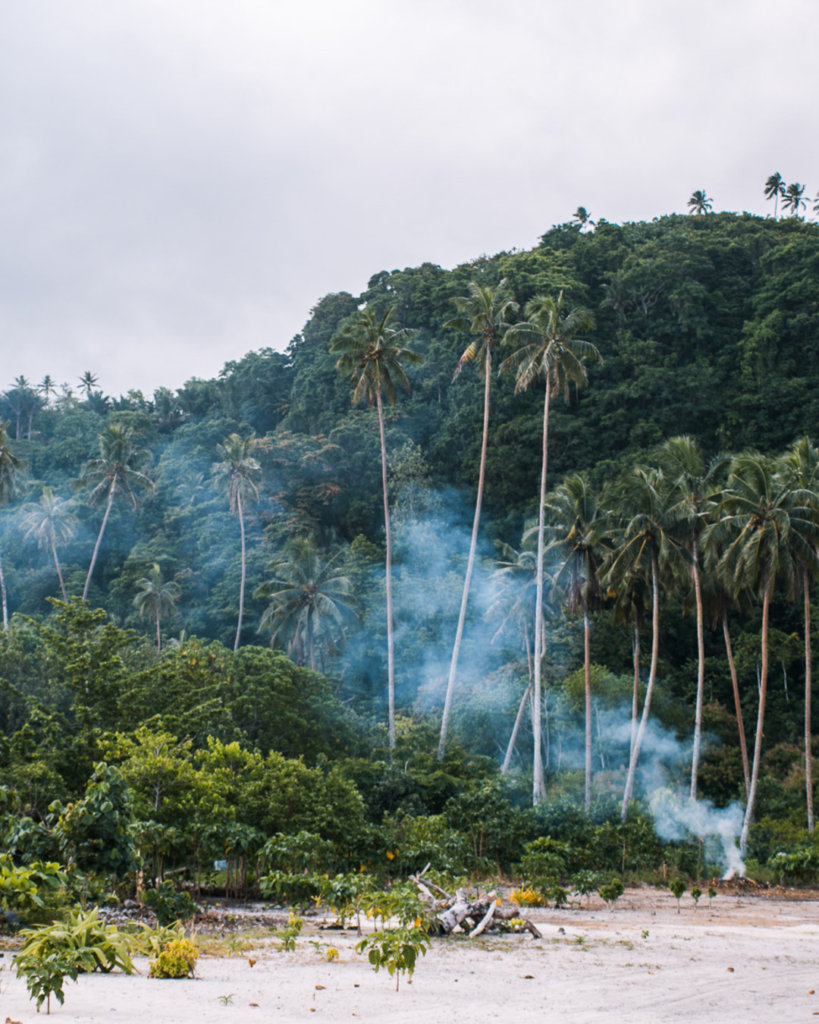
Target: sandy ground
746, 958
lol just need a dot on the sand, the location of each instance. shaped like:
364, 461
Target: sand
749, 957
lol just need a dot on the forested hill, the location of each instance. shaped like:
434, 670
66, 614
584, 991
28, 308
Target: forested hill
707, 325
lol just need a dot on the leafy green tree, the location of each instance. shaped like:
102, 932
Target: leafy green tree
10, 466
484, 312
156, 598
310, 598
699, 202
50, 522
578, 529
238, 474
372, 353
555, 354
114, 471
774, 188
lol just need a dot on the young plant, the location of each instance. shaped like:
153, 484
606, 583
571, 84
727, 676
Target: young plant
82, 941
396, 949
711, 893
177, 960
612, 892
169, 904
290, 933
45, 976
696, 894
677, 887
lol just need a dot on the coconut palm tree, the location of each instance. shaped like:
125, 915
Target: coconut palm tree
800, 467
372, 353
115, 471
10, 466
238, 473
582, 218
774, 188
793, 198
310, 600
577, 531
694, 493
50, 522
700, 203
88, 381
553, 353
643, 546
156, 599
754, 531
484, 312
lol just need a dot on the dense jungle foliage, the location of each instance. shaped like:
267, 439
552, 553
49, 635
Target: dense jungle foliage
193, 582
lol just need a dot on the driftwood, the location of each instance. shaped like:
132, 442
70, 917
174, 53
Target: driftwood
475, 915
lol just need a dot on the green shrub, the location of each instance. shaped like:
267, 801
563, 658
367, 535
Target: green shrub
169, 904
304, 851
291, 890
45, 976
397, 950
176, 960
33, 893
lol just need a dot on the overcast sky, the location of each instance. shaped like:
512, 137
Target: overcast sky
182, 180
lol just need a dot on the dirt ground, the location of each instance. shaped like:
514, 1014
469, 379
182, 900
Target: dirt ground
752, 955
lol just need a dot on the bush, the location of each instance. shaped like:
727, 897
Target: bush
31, 893
177, 960
81, 941
169, 904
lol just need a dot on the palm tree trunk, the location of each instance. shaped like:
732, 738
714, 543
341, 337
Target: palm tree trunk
538, 789
695, 754
473, 544
158, 634
96, 550
743, 746
241, 514
513, 739
635, 692
3, 598
760, 720
808, 687
587, 695
652, 675
59, 570
387, 579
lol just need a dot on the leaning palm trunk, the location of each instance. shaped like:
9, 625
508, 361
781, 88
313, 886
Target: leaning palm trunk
635, 690
808, 685
96, 550
587, 697
59, 570
513, 739
743, 746
538, 789
3, 598
387, 578
760, 720
470, 564
240, 511
695, 754
652, 675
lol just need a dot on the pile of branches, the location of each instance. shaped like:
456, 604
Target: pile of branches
473, 915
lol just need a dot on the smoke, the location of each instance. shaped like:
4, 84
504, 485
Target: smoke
678, 817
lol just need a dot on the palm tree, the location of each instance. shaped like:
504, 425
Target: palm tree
582, 218
754, 531
371, 352
484, 313
554, 354
700, 202
577, 530
88, 381
50, 522
156, 598
10, 466
774, 188
792, 198
114, 471
693, 497
310, 599
238, 474
644, 547
801, 470
47, 387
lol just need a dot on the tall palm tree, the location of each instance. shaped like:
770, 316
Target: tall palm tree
238, 473
793, 198
774, 188
47, 387
643, 546
372, 353
693, 497
88, 381
484, 312
310, 599
578, 530
552, 353
10, 466
582, 218
801, 471
115, 471
754, 531
699, 202
156, 598
50, 522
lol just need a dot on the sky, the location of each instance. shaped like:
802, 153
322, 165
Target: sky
182, 180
